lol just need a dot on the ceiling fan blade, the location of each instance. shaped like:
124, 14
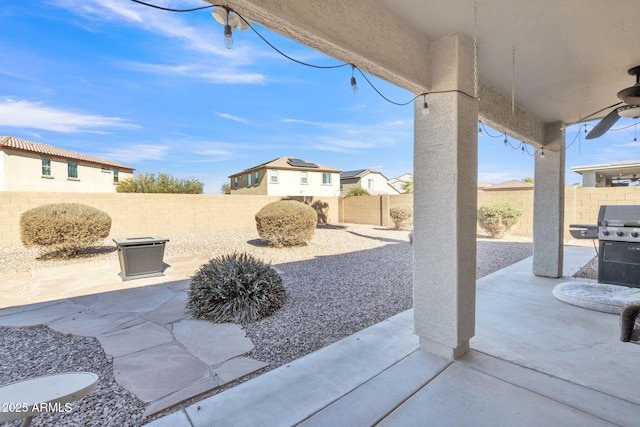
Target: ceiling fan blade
604, 125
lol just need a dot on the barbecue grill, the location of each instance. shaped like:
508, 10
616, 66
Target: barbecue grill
618, 232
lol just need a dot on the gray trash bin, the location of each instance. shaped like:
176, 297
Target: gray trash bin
140, 256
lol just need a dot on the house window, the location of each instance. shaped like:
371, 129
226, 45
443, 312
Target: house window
256, 178
274, 176
46, 167
248, 180
116, 174
72, 170
370, 184
326, 178
235, 182
303, 178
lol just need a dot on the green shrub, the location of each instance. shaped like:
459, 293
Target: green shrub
235, 288
497, 218
357, 191
64, 229
286, 223
402, 217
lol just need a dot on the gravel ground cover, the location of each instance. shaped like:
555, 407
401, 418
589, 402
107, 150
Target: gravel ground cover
347, 279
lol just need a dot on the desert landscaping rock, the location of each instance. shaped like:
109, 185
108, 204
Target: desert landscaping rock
136, 338
159, 371
223, 342
348, 278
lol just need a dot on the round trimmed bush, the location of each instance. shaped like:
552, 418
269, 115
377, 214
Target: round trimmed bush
497, 218
286, 223
402, 217
235, 288
64, 229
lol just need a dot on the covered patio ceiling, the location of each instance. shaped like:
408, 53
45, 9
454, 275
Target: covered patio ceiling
571, 57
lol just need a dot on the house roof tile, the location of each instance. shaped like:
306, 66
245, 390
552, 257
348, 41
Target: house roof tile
49, 150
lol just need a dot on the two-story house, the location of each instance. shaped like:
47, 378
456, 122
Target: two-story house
372, 181
33, 166
287, 176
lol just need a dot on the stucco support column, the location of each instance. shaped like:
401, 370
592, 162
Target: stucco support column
548, 203
445, 194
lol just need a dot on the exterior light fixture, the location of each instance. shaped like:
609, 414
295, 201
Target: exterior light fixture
480, 134
506, 141
354, 84
542, 153
425, 106
223, 15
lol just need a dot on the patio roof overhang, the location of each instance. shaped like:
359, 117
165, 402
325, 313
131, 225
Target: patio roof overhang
571, 58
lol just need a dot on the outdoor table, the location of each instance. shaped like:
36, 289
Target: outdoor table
50, 393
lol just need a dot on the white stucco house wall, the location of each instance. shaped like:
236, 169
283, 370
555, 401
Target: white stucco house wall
372, 181
287, 176
399, 182
609, 174
33, 166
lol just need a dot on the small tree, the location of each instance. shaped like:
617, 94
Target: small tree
147, 182
64, 229
402, 217
497, 218
407, 186
357, 191
225, 188
529, 180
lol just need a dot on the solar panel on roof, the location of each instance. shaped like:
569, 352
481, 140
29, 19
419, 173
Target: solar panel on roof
299, 163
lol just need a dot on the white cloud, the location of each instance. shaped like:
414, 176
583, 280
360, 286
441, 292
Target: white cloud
164, 23
202, 71
137, 153
232, 117
35, 115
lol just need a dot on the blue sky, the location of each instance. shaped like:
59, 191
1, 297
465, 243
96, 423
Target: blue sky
158, 91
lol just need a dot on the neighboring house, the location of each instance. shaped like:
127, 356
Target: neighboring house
399, 182
372, 181
34, 166
287, 176
483, 184
513, 185
609, 174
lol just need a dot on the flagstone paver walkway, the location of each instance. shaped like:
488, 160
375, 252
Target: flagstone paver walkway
159, 352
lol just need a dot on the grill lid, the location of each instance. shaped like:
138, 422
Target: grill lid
619, 216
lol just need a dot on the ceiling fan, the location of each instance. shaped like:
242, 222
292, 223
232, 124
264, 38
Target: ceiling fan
631, 108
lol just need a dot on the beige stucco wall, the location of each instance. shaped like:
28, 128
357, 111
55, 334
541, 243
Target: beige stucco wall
23, 172
135, 214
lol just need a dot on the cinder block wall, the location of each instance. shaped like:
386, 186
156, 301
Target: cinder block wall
581, 206
522, 198
135, 214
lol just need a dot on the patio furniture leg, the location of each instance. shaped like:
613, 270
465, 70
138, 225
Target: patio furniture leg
628, 318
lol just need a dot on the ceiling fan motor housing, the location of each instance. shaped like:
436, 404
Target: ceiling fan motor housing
631, 95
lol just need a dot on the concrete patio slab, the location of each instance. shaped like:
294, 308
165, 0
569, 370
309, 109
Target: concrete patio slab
130, 340
197, 388
213, 343
371, 402
159, 371
237, 368
41, 314
90, 324
461, 396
